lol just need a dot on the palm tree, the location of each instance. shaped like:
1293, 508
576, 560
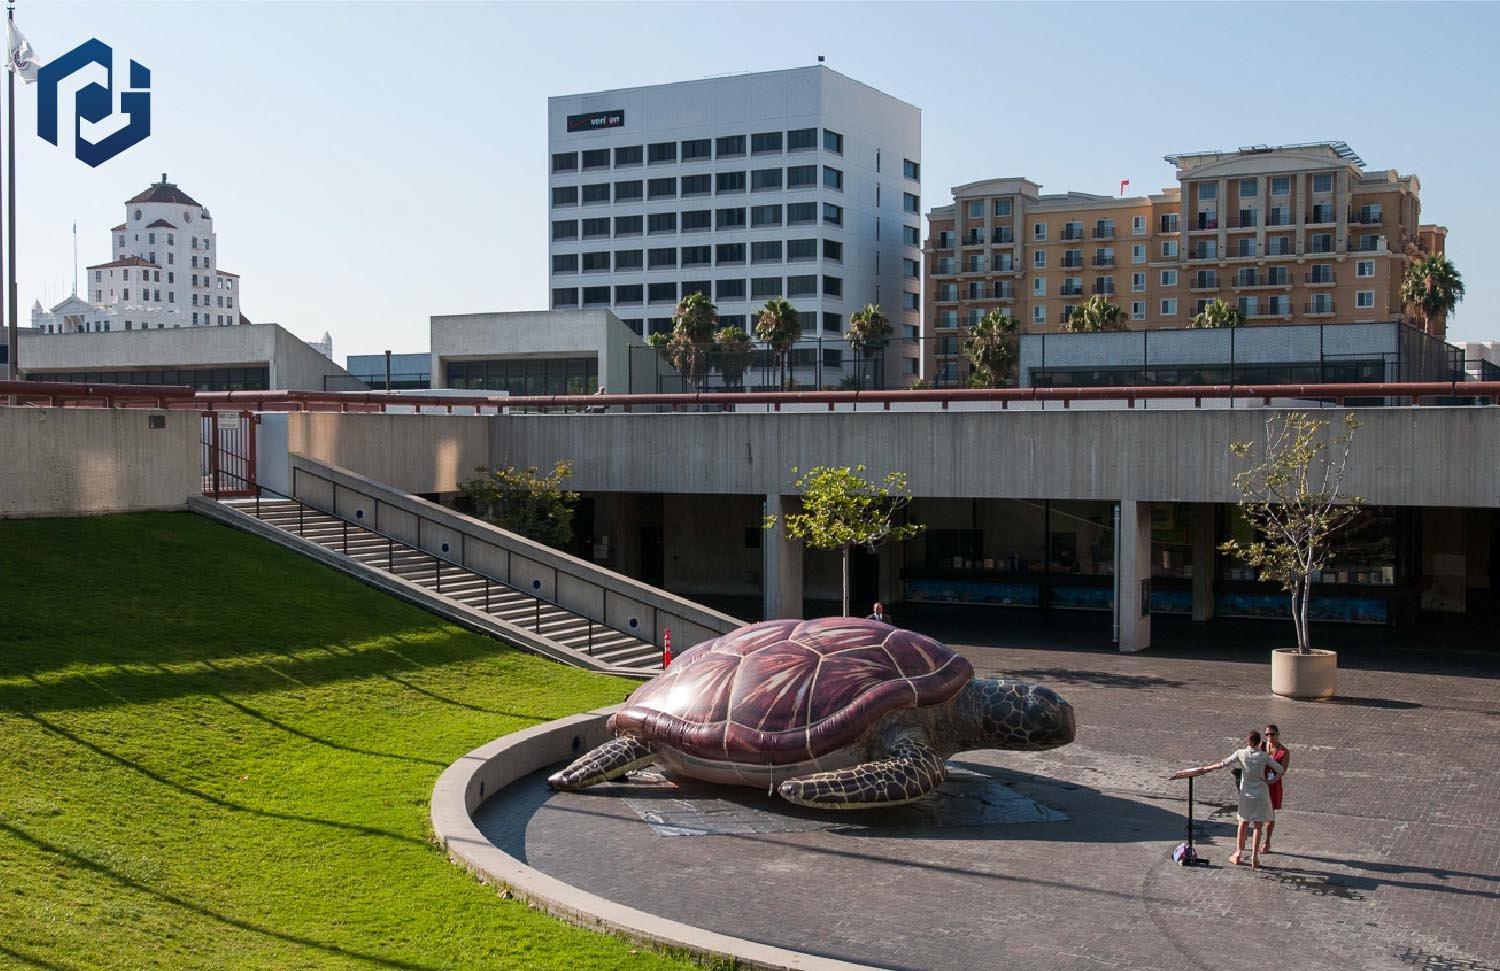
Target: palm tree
1432, 287
1096, 315
693, 326
869, 330
734, 351
1217, 314
778, 328
990, 349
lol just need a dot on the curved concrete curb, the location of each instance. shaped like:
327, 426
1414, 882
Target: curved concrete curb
471, 780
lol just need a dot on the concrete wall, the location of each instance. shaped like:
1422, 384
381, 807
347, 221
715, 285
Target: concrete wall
78, 461
1403, 456
705, 544
294, 364
546, 333
413, 453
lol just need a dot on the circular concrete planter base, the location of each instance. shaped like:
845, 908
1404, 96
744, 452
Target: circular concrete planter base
1307, 677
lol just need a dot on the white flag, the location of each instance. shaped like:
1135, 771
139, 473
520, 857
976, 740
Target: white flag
23, 60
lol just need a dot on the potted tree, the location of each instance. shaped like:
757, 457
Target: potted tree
1293, 498
842, 509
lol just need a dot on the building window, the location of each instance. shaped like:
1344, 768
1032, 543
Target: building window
662, 188
662, 152
1138, 252
628, 259
697, 255
802, 286
627, 155
1364, 299
596, 228
595, 262
764, 179
910, 301
565, 162
596, 158
730, 290
562, 195
833, 215
833, 178
1038, 315
561, 263
661, 258
628, 191
1249, 188
833, 142
911, 236
910, 202
697, 219
661, 292
911, 170
1039, 259
911, 269
729, 182
1281, 185
698, 148
1171, 222
765, 287
661, 222
1138, 225
800, 140
1138, 310
596, 193
1039, 286
1323, 182
697, 185
729, 253
1169, 278
801, 212
801, 249
1138, 282
627, 226
801, 176
1169, 249
729, 146
976, 209
834, 250
1169, 307
766, 142
768, 251
765, 215
1364, 268
561, 297
729, 219
1002, 208
629, 293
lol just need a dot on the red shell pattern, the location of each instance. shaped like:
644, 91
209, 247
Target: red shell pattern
787, 690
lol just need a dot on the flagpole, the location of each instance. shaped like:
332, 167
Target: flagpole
10, 152
12, 371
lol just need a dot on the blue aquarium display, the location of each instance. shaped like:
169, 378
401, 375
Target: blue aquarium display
973, 592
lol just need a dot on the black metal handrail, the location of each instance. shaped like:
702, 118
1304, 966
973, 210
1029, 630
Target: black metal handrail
438, 560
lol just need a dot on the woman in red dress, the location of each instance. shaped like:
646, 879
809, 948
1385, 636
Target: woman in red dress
1279, 754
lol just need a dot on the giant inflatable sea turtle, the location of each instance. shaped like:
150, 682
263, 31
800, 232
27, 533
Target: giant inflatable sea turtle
834, 713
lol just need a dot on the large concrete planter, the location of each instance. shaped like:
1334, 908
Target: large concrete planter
1308, 677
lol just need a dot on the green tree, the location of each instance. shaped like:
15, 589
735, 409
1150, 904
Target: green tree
693, 327
991, 349
1217, 314
869, 331
778, 328
1293, 497
1096, 315
842, 509
1432, 287
525, 501
734, 351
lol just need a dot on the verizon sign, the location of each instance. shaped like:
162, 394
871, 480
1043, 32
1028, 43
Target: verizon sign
597, 120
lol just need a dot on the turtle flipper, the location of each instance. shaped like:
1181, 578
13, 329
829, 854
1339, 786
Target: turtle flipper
911, 771
609, 761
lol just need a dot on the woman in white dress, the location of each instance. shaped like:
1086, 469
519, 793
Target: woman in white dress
1256, 767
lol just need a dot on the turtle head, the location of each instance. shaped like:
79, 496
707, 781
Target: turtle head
1016, 715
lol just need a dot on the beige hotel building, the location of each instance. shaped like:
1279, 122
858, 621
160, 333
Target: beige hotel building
1288, 234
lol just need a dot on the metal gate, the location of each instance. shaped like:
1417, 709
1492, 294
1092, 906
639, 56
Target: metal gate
228, 444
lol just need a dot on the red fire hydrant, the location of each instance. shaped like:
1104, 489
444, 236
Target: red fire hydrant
666, 650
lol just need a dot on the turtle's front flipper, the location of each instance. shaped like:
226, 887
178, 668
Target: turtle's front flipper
911, 771
609, 761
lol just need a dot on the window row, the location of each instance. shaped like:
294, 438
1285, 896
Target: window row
670, 291
697, 220
721, 254
698, 149
718, 183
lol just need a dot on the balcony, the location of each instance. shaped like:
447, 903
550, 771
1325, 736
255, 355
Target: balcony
1104, 291
946, 267
1203, 253
1104, 232
1278, 219
1005, 292
1374, 218
1002, 265
1319, 279
1376, 245
1320, 216
974, 266
944, 241
1204, 224
1071, 234
1071, 262
1070, 290
1319, 308
1202, 283
1003, 236
947, 295
1280, 249
974, 238
1104, 261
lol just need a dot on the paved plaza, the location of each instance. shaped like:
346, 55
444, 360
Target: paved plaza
1387, 854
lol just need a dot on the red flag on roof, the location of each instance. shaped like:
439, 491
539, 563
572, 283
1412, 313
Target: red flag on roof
1123, 184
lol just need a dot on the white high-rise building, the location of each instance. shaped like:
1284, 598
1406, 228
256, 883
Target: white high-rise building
800, 183
164, 273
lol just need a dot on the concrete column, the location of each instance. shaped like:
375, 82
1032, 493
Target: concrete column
1203, 560
1133, 579
781, 558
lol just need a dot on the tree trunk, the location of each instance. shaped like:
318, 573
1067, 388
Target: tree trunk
1306, 646
846, 581
1297, 615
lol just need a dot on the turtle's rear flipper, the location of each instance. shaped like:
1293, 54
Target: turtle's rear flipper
609, 761
911, 772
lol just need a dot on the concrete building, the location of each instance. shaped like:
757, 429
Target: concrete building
164, 273
1290, 234
803, 184
245, 358
539, 352
408, 372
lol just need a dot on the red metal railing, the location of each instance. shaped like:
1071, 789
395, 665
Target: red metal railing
124, 395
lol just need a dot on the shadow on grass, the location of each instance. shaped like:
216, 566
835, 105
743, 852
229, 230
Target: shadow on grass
120, 879
31, 960
209, 798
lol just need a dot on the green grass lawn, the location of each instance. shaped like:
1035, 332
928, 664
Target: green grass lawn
217, 754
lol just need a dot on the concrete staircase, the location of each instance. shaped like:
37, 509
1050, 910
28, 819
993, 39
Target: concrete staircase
449, 581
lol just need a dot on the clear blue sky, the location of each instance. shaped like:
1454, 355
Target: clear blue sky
371, 164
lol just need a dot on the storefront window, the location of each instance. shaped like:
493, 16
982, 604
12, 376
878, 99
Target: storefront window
1172, 540
1082, 538
1362, 553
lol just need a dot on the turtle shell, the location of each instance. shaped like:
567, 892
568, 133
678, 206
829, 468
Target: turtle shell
784, 691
